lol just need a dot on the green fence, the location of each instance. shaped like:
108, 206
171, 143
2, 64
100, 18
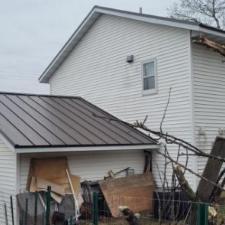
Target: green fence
32, 211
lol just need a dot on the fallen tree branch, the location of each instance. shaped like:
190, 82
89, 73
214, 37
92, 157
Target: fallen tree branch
184, 183
170, 139
189, 170
166, 138
211, 44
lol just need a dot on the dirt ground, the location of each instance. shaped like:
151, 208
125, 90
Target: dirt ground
120, 221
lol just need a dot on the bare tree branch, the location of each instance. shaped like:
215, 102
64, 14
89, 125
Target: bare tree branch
210, 12
190, 170
164, 114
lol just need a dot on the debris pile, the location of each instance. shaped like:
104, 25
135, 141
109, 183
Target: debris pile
73, 200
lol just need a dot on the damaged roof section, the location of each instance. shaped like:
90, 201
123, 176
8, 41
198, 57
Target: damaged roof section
60, 121
216, 46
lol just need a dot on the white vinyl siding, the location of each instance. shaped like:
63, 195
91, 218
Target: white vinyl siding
209, 97
98, 71
90, 165
7, 180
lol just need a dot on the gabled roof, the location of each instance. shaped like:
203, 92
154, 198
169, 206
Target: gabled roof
97, 11
58, 121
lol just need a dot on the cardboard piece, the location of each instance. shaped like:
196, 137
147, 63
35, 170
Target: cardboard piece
49, 169
39, 184
52, 172
135, 192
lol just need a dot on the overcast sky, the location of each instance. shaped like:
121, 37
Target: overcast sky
33, 31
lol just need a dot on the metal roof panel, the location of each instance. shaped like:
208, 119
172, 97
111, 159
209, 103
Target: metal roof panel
28, 120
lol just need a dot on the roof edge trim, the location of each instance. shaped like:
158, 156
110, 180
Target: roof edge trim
87, 148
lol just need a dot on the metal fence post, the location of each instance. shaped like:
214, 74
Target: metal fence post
48, 199
95, 209
6, 215
26, 212
71, 221
12, 211
202, 214
35, 207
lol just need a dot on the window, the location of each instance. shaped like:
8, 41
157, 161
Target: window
149, 76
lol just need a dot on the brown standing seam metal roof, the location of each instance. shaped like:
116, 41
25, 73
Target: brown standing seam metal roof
28, 120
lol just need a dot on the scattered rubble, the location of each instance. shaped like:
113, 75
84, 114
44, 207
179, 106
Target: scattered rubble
71, 195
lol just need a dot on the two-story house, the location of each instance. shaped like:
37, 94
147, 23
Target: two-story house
126, 63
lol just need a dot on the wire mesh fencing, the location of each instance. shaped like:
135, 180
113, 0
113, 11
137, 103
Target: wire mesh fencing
7, 209
41, 209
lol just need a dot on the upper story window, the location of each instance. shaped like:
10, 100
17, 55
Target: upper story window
149, 76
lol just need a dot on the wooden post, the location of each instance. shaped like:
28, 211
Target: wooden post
76, 205
148, 162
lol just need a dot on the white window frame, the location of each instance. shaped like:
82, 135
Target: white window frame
150, 91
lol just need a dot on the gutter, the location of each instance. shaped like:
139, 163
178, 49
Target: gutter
86, 149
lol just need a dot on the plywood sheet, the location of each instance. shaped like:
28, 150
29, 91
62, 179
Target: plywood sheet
135, 191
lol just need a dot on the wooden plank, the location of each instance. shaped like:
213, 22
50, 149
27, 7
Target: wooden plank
135, 192
211, 171
77, 211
